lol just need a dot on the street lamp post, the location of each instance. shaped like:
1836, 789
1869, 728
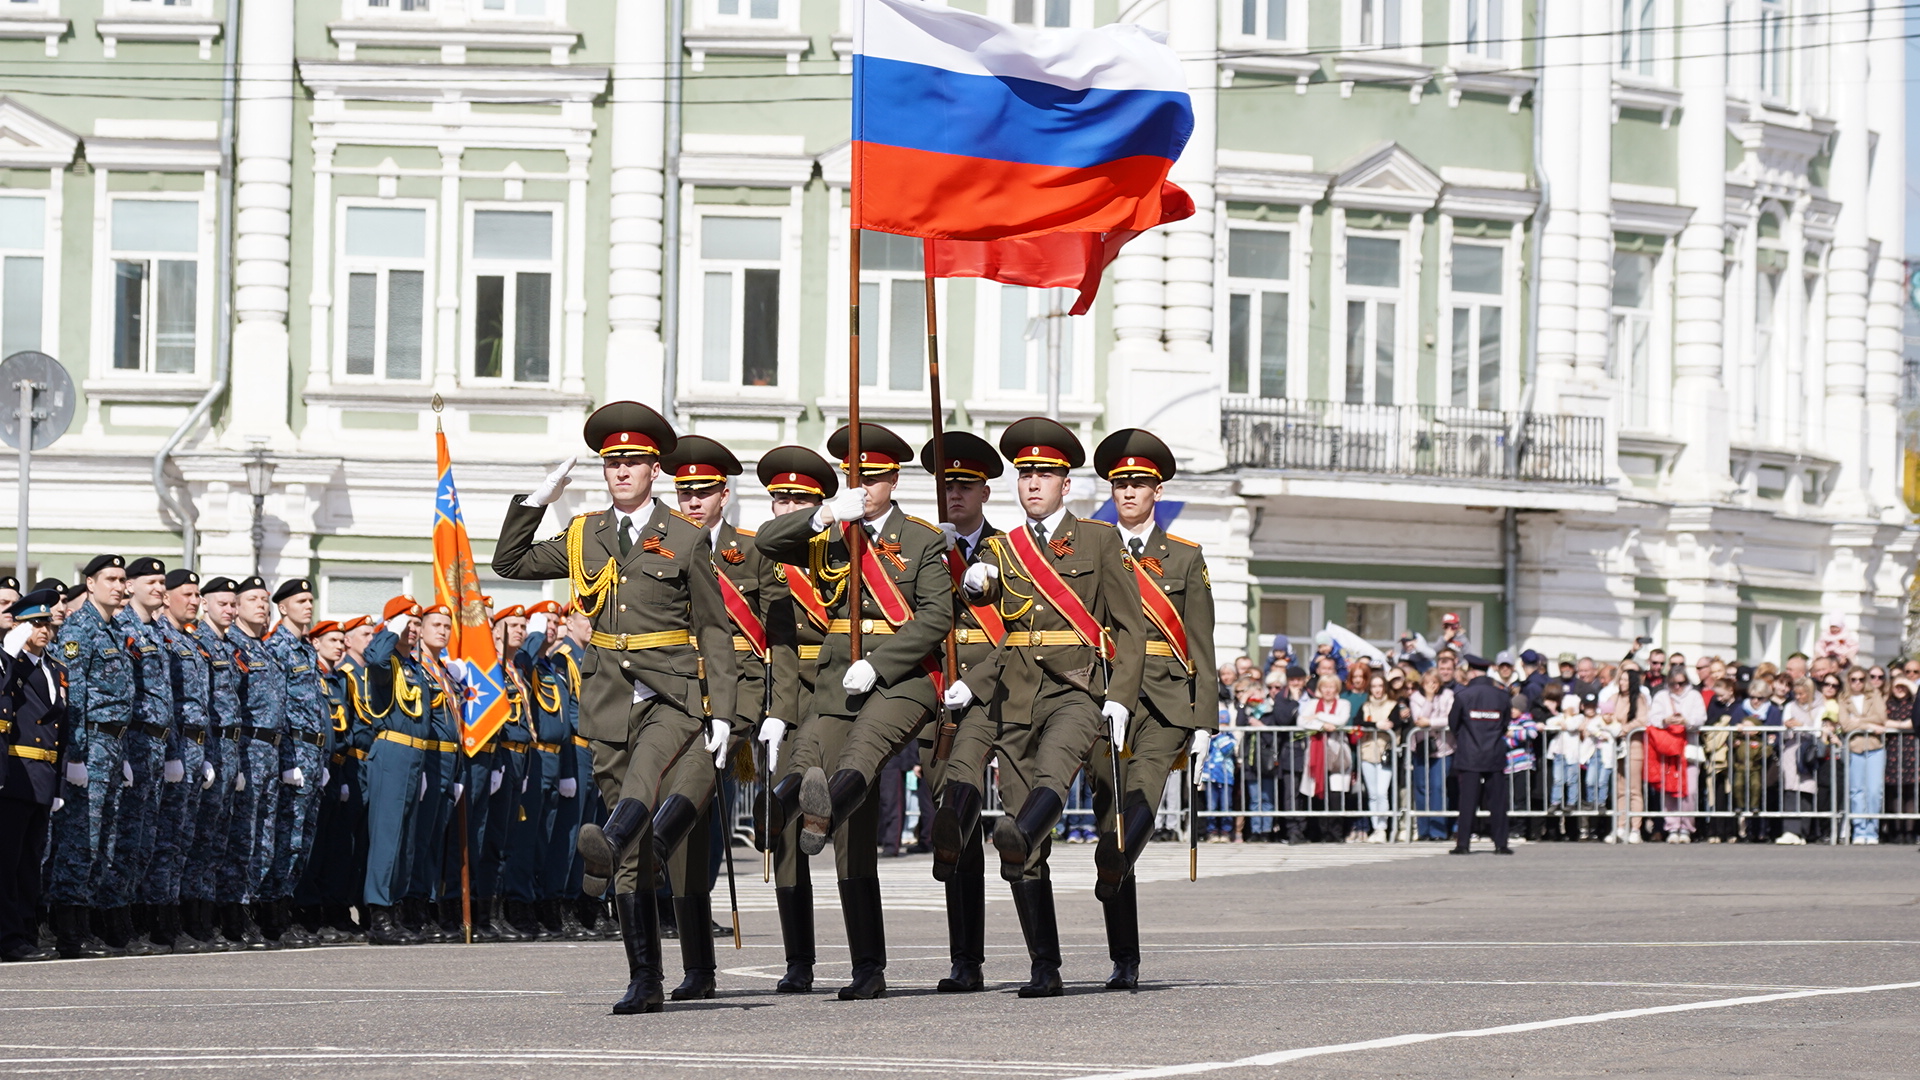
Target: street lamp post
259, 483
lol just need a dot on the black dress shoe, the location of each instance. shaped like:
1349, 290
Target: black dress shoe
1126, 975
1503, 851
1459, 851
26, 953
963, 979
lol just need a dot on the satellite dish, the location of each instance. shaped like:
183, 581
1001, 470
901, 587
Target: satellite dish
53, 398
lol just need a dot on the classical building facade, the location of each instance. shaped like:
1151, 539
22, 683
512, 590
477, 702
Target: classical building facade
1584, 316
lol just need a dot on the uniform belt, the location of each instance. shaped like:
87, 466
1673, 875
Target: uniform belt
516, 747
33, 753
548, 747
741, 644
867, 626
809, 652
271, 738
581, 740
442, 747
312, 738
1032, 639
968, 635
1158, 648
404, 739
110, 730
196, 736
356, 753
5, 726
636, 642
150, 730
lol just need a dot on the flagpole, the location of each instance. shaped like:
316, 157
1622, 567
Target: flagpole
939, 425
856, 604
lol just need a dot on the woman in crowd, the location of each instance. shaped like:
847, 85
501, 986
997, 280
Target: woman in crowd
1717, 750
1626, 703
1431, 744
1329, 761
1863, 719
1903, 762
1354, 693
1677, 714
1802, 751
1567, 751
1381, 716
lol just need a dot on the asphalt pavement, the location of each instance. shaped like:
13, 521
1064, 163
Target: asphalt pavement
1349, 960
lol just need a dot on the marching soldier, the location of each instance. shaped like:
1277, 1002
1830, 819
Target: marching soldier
660, 660
865, 710
436, 919
187, 773
797, 480
212, 894
959, 858
263, 704
758, 606
1070, 666
33, 706
150, 728
1177, 598
303, 755
393, 700
541, 844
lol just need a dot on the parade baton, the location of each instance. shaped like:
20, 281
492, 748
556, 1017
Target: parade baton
766, 777
1113, 752
948, 726
726, 845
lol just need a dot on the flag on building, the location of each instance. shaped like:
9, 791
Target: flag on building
966, 128
456, 585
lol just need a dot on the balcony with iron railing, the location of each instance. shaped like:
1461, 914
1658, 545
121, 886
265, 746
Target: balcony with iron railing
1414, 441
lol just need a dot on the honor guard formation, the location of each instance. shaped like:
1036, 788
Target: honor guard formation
199, 765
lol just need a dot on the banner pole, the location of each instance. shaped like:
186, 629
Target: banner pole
945, 742
853, 531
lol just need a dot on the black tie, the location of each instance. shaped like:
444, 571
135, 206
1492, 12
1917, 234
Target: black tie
626, 536
964, 547
1039, 533
1138, 546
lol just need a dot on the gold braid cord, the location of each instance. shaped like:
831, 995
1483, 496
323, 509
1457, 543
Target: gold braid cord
1010, 572
824, 574
548, 703
594, 586
405, 696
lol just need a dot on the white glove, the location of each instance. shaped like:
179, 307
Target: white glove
398, 624
294, 778
459, 790
325, 775
1197, 753
458, 671
173, 772
849, 505
58, 802
346, 792
206, 776
772, 730
959, 695
1117, 716
555, 483
423, 789
978, 576
951, 534
17, 638
523, 785
495, 779
76, 774
859, 678
239, 780
537, 623
569, 787
126, 774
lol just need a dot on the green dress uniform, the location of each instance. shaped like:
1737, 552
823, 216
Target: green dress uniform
1045, 684
959, 857
1171, 706
858, 732
661, 661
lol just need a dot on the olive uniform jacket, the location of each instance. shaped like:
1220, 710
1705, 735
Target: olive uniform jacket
916, 566
765, 590
1179, 568
1088, 557
972, 646
665, 583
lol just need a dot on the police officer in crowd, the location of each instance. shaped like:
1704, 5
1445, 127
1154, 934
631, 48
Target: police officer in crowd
1482, 709
150, 727
187, 775
213, 885
34, 729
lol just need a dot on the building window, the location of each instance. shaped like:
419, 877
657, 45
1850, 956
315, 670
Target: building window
344, 597
1043, 12
1632, 333
745, 11
1637, 36
1486, 28
512, 273
893, 312
1468, 612
524, 9
1376, 620
1026, 316
1297, 617
1266, 19
1766, 349
1373, 309
1773, 48
1379, 24
1259, 300
156, 285
383, 265
740, 300
1477, 322
23, 224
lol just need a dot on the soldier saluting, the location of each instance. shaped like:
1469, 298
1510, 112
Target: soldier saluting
659, 662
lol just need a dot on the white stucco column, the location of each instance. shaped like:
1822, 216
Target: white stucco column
1557, 223
637, 151
1700, 414
320, 294
263, 170
1847, 264
1887, 217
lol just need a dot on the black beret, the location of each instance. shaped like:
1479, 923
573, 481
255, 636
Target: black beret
292, 587
10, 582
103, 562
217, 585
145, 566
74, 592
182, 576
53, 583
249, 584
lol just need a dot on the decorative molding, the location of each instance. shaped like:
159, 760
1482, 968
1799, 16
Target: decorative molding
1642, 95
31, 141
153, 155
114, 31
1386, 178
745, 160
1382, 71
1657, 219
1502, 82
29, 28
1299, 67
440, 83
1495, 204
454, 41
745, 43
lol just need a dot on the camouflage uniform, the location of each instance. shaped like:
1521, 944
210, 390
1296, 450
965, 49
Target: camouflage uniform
100, 701
263, 711
148, 736
308, 728
191, 678
204, 873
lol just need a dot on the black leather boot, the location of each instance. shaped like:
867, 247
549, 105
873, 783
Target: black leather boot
384, 929
640, 931
292, 934
967, 921
1017, 836
516, 920
1122, 912
571, 928
125, 936
825, 803
601, 847
785, 804
796, 935
1033, 901
73, 939
169, 931
954, 825
695, 916
1112, 865
866, 939
237, 923
676, 817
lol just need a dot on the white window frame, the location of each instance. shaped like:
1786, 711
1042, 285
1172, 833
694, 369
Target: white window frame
1403, 298
1506, 393
1656, 316
433, 12
49, 265
551, 12
106, 255
402, 583
1353, 34
1772, 652
1076, 354
195, 10
1397, 623
1467, 19
1080, 12
1317, 606
1298, 265
1649, 622
472, 269
1640, 51
1769, 355
346, 265
1473, 619
877, 325
1773, 64
1233, 25
693, 379
878, 393
708, 16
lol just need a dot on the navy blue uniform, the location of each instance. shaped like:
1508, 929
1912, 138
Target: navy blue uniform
33, 721
208, 876
1481, 712
394, 706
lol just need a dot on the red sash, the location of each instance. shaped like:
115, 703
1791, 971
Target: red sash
807, 596
1161, 611
893, 604
742, 614
1054, 588
985, 614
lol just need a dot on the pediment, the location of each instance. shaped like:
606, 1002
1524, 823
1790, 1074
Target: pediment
1386, 178
31, 141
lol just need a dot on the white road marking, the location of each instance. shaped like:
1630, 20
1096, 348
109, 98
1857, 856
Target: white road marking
1282, 1057
125, 1061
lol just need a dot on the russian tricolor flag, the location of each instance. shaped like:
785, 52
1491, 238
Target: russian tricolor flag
969, 129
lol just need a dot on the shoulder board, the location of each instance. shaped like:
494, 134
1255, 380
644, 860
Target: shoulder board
588, 514
675, 513
750, 532
923, 523
1096, 521
1180, 540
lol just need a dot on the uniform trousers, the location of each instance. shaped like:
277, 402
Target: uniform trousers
475, 775
330, 876
503, 808
83, 830
393, 772
690, 865
562, 819
529, 826
1153, 745
296, 817
179, 822
430, 824
137, 826
862, 743
1042, 747
1476, 790
250, 828
23, 842
658, 733
200, 877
